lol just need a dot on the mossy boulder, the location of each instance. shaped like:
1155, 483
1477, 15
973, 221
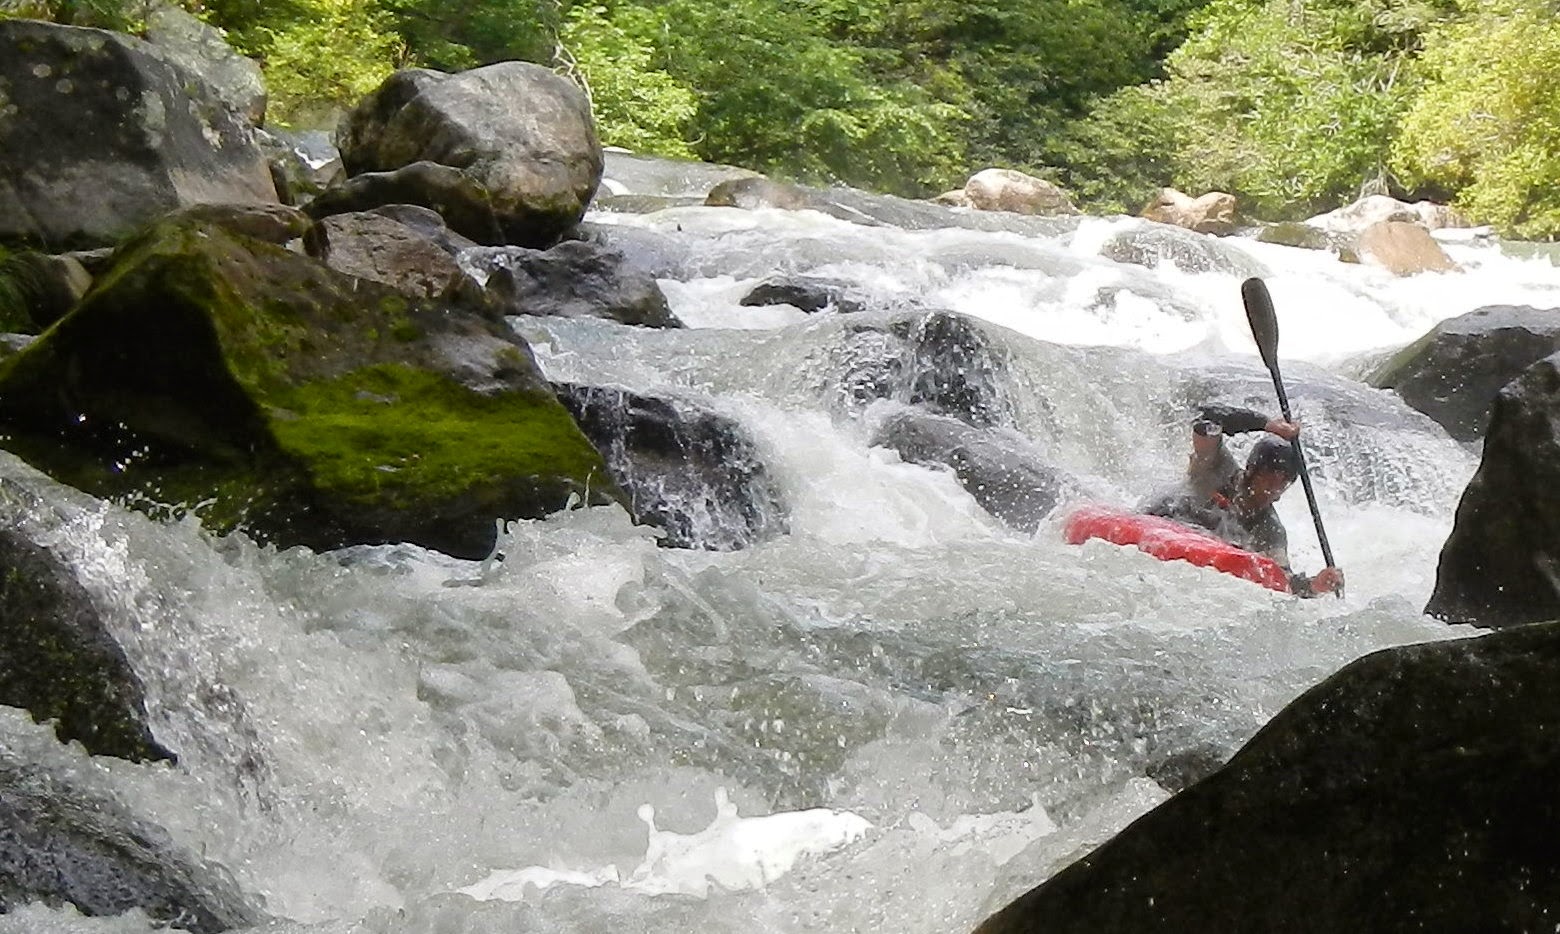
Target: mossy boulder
215, 372
59, 662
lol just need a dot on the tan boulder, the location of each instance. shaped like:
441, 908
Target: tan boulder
1010, 190
1403, 248
956, 198
1212, 213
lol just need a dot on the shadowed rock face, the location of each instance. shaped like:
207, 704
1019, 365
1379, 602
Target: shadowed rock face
522, 133
62, 847
103, 134
1501, 564
691, 472
1413, 790
59, 662
575, 279
1453, 373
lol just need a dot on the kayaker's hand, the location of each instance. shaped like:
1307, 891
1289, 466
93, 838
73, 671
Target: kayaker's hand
1286, 430
1327, 580
1206, 436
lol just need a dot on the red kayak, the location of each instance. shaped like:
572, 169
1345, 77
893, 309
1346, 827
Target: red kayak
1172, 541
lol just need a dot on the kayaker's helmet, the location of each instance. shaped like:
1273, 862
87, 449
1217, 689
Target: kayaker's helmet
1276, 454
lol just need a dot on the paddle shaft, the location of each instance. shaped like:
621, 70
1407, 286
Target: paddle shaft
1264, 328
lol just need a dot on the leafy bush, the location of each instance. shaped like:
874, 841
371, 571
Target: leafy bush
1488, 120
637, 106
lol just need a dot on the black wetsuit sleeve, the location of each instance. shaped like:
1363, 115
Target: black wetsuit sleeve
1233, 420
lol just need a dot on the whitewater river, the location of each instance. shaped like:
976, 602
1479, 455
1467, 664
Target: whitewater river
895, 717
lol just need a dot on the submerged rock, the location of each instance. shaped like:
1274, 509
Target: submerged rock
939, 361
1153, 244
1453, 373
1003, 471
1500, 566
101, 134
693, 473
59, 662
61, 846
1410, 789
268, 391
809, 293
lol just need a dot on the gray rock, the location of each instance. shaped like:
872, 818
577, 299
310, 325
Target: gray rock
464, 203
575, 279
59, 661
372, 245
1412, 789
520, 131
99, 134
1149, 245
1453, 373
1002, 470
693, 473
1501, 564
303, 164
269, 223
202, 50
61, 846
940, 361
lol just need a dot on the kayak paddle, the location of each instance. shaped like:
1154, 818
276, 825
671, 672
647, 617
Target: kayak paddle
1264, 328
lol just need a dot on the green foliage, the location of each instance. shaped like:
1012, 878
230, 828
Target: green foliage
1488, 121
636, 105
1114, 159
121, 15
778, 96
1290, 106
330, 57
454, 35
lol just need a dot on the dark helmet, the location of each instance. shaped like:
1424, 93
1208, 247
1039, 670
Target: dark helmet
1270, 453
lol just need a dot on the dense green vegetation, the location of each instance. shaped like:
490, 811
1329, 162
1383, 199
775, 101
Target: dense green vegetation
1293, 105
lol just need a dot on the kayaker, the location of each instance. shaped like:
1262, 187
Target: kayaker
1236, 503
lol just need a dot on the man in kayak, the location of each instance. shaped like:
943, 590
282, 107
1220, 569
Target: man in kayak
1235, 503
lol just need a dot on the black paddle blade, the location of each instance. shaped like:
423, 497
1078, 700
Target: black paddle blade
1264, 323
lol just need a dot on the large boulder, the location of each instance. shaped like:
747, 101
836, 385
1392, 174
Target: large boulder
1010, 190
59, 661
520, 131
1002, 470
693, 473
1211, 213
1453, 373
575, 279
201, 50
305, 405
1501, 566
62, 846
1402, 249
100, 134
465, 204
1411, 790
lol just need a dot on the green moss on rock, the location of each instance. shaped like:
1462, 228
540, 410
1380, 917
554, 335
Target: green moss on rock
279, 395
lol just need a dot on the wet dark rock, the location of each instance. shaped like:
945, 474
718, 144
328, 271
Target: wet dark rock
940, 361
48, 286
1410, 789
521, 132
809, 293
104, 135
1501, 565
693, 473
1453, 373
59, 661
465, 204
61, 846
1152, 244
575, 279
651, 252
1001, 469
304, 405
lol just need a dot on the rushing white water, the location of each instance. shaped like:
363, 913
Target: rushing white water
899, 715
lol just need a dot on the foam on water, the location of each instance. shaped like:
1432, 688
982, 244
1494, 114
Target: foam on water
897, 716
